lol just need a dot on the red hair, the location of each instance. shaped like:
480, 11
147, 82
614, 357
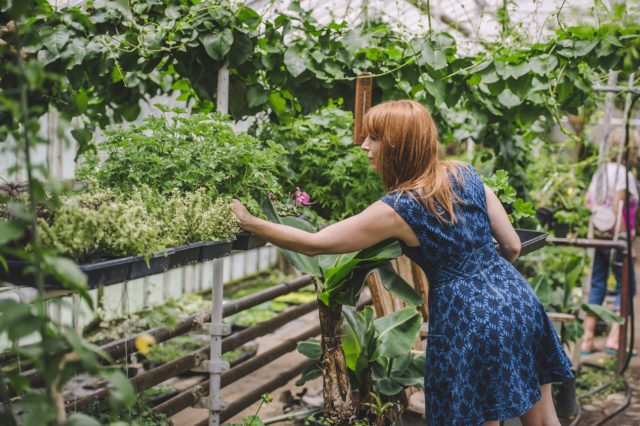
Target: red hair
407, 158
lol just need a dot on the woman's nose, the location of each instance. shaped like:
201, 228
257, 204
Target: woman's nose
365, 144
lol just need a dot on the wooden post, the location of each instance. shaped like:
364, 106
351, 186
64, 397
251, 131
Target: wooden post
364, 86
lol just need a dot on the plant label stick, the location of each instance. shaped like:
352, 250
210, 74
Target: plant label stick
364, 84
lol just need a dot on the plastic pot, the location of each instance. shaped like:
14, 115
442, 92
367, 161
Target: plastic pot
184, 255
215, 249
98, 273
566, 402
531, 240
246, 240
153, 265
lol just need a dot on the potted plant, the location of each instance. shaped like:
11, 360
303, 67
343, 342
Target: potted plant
338, 281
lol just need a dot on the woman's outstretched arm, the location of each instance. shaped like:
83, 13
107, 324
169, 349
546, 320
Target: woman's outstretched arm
501, 227
376, 223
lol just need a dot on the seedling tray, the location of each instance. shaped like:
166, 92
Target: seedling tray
246, 240
214, 249
184, 255
531, 240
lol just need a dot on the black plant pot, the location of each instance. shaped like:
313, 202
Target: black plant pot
566, 402
184, 255
153, 265
531, 241
215, 249
246, 240
98, 274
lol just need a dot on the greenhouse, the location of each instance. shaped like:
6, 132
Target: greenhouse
319, 212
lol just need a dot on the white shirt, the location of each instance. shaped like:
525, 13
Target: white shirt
610, 183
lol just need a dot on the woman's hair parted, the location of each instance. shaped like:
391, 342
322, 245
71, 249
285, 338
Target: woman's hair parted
407, 158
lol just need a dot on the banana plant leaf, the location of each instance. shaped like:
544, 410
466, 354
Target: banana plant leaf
358, 339
397, 332
365, 340
342, 276
391, 375
602, 312
299, 261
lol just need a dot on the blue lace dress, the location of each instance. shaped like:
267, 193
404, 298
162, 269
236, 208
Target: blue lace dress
490, 344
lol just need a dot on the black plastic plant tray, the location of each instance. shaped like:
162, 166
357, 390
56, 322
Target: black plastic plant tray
531, 240
184, 255
214, 249
246, 240
99, 273
139, 268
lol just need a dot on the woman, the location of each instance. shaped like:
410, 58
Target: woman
607, 187
492, 352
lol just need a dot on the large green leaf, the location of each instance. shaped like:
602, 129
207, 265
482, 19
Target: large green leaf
310, 348
359, 335
387, 386
542, 288
347, 291
389, 249
312, 372
327, 262
68, 273
295, 59
397, 332
299, 261
217, 44
397, 286
602, 312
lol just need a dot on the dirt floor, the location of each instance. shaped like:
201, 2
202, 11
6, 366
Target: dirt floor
291, 398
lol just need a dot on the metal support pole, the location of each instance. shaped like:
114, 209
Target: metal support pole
624, 312
222, 103
215, 365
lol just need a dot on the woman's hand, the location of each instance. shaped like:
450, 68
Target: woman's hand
241, 213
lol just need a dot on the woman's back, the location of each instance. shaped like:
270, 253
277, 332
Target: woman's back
490, 343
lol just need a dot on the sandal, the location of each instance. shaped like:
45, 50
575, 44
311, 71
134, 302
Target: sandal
612, 351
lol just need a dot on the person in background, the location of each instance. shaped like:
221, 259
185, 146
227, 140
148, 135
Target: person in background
608, 188
492, 352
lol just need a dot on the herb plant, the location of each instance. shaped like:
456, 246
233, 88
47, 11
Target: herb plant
183, 152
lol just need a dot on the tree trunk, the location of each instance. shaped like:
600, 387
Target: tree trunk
336, 390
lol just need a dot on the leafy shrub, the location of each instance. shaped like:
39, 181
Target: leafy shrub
184, 151
322, 160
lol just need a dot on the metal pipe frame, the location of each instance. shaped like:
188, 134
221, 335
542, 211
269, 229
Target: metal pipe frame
178, 366
119, 348
191, 396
